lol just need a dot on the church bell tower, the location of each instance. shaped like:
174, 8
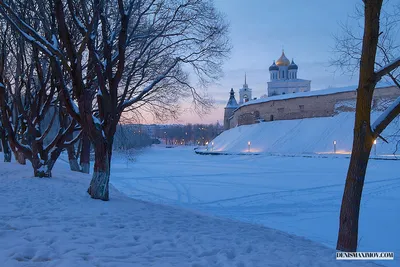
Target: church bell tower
245, 92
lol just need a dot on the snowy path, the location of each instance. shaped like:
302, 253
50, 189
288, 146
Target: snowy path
53, 222
297, 195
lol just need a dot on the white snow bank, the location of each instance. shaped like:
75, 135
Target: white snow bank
53, 222
311, 135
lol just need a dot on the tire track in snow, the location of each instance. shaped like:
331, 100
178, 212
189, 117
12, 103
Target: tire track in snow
276, 193
161, 177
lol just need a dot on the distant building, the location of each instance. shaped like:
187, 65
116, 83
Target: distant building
283, 76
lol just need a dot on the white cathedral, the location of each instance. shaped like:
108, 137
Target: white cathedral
283, 76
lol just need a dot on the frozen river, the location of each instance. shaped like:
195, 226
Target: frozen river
294, 194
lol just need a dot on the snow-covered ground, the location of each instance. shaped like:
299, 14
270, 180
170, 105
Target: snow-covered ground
53, 222
311, 135
297, 195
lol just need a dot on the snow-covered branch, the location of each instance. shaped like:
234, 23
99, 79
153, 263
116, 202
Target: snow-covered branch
30, 34
386, 117
387, 69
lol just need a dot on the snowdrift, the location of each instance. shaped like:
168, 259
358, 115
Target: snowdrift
53, 222
303, 136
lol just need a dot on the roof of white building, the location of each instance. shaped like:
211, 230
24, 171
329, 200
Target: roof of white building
310, 93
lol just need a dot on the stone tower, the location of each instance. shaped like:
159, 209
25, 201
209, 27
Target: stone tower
229, 109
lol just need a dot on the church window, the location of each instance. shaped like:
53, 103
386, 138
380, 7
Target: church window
280, 110
301, 107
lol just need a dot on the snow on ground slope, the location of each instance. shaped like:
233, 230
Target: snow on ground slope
311, 135
53, 222
298, 195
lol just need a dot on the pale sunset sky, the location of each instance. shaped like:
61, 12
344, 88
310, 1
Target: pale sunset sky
259, 29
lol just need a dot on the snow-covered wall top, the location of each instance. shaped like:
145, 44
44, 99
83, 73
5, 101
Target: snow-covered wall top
311, 93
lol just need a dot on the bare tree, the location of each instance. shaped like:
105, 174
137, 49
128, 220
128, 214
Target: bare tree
133, 53
370, 73
28, 95
348, 43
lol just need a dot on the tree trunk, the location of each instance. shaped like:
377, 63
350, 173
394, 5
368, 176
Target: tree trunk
72, 155
20, 157
363, 136
73, 161
7, 156
85, 154
6, 151
98, 188
350, 209
6, 147
42, 172
47, 167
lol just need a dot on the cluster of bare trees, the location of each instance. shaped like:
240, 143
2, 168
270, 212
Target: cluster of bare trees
76, 66
376, 54
195, 134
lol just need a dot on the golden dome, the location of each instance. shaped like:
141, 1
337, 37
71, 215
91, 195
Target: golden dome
283, 61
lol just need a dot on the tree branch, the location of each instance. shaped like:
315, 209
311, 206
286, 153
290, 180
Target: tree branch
387, 69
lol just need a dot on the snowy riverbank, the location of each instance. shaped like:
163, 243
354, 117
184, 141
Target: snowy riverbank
303, 136
53, 222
